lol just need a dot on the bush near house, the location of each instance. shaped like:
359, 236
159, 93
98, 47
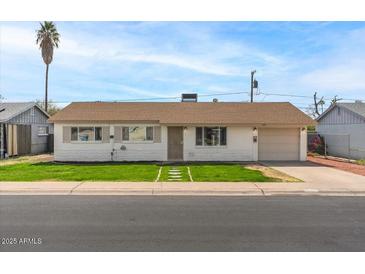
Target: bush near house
317, 145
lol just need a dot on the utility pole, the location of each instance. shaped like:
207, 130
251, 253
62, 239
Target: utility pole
252, 84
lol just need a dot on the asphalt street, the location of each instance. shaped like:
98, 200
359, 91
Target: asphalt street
181, 223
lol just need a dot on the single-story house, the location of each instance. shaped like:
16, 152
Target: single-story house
183, 131
343, 127
23, 129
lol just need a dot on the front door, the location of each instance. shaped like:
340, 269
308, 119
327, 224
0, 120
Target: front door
175, 150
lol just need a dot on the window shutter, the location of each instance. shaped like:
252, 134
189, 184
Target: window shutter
125, 133
66, 131
117, 134
157, 134
106, 135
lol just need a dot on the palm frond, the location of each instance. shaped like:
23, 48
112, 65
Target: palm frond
47, 38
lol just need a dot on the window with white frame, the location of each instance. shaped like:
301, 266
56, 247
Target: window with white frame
211, 136
42, 130
137, 133
86, 134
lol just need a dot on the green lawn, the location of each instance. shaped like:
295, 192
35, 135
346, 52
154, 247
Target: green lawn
227, 173
128, 172
217, 173
79, 172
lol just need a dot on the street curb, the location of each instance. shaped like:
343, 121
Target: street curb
151, 192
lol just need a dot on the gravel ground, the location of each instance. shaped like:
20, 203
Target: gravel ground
354, 168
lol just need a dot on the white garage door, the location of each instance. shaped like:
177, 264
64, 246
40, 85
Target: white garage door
276, 144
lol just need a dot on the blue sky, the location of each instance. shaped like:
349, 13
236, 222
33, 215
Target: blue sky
139, 60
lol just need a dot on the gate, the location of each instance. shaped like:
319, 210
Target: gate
24, 141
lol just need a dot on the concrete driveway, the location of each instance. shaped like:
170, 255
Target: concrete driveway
316, 176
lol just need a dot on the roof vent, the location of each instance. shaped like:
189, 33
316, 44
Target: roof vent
189, 97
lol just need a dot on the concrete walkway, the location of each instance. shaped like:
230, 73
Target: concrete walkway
318, 180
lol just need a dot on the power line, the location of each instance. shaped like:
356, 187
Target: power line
210, 95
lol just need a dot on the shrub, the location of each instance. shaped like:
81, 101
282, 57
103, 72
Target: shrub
317, 144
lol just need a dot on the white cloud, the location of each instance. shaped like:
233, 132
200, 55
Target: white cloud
343, 77
17, 39
342, 68
209, 56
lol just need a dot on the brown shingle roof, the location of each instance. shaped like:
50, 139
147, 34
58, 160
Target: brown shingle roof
184, 113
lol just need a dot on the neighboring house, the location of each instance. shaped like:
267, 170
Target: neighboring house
23, 129
185, 131
343, 127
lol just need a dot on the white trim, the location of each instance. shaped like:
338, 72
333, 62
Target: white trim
189, 173
208, 147
159, 174
303, 145
137, 142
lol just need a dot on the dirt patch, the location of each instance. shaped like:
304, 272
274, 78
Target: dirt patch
27, 159
350, 167
273, 173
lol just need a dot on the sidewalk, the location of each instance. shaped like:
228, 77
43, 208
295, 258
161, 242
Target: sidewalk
169, 188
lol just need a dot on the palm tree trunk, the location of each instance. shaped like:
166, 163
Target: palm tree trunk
46, 95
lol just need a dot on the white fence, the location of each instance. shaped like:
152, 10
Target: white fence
340, 145
337, 145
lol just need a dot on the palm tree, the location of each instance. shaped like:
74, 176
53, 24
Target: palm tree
47, 39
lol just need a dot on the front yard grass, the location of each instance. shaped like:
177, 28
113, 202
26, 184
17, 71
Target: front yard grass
131, 172
79, 172
227, 173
